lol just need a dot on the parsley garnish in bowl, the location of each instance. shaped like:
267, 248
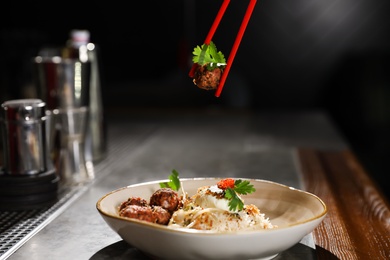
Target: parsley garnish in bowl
174, 181
231, 188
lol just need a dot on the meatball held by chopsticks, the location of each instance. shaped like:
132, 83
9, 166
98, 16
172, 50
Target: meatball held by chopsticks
207, 79
209, 64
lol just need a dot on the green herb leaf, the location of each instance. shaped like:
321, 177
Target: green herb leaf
240, 187
208, 55
174, 181
243, 187
215, 54
235, 201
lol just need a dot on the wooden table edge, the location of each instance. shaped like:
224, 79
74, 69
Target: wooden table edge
357, 225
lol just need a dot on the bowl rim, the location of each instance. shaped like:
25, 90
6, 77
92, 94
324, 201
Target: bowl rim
206, 232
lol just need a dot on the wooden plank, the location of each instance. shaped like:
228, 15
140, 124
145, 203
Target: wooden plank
357, 225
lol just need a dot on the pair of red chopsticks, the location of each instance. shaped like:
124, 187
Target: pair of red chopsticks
236, 44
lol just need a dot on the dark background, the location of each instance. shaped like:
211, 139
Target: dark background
297, 54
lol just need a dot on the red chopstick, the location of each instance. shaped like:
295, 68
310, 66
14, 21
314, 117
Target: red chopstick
213, 28
236, 44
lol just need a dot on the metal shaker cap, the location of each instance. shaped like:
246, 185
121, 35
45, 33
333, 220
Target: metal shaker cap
23, 134
23, 110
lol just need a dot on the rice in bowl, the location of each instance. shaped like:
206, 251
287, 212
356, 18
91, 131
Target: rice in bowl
209, 210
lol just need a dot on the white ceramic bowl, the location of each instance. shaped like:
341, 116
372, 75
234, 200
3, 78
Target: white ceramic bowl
295, 212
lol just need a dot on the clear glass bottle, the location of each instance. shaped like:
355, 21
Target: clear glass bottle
76, 46
80, 47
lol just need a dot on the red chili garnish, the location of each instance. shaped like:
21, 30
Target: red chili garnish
226, 183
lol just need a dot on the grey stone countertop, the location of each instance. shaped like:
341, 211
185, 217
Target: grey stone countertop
147, 146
